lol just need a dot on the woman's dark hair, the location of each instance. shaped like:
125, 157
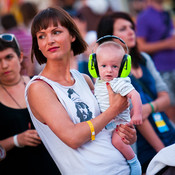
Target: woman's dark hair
42, 21
106, 27
13, 44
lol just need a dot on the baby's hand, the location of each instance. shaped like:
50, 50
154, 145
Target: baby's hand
136, 120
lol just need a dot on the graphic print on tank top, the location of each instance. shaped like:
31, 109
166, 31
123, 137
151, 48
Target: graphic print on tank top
83, 111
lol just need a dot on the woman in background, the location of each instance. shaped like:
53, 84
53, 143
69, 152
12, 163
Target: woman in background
148, 82
25, 153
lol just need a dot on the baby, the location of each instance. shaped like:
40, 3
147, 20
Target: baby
109, 56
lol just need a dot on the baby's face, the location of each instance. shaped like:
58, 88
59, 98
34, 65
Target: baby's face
109, 61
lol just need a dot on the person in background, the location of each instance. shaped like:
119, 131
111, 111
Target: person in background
28, 10
25, 153
90, 38
71, 126
24, 39
110, 56
93, 11
68, 5
156, 36
156, 131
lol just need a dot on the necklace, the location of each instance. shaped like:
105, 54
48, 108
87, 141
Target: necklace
14, 83
10, 94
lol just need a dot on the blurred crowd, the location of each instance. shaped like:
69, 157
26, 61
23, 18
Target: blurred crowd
86, 13
16, 18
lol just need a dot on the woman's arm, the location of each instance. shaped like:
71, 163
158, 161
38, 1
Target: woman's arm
7, 143
27, 138
152, 47
150, 135
162, 101
160, 104
56, 117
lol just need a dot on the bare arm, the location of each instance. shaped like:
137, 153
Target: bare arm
8, 143
26, 138
160, 104
55, 115
152, 47
150, 135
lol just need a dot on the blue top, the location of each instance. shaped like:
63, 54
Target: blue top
156, 25
144, 149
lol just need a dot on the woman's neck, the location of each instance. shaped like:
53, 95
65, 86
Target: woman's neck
59, 74
12, 83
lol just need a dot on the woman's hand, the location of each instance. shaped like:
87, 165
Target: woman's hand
117, 102
127, 132
29, 138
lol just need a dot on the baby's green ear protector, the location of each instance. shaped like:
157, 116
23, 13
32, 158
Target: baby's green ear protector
125, 67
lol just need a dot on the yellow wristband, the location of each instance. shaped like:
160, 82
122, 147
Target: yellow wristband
92, 130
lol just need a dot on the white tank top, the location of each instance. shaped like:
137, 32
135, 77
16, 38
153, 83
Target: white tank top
93, 158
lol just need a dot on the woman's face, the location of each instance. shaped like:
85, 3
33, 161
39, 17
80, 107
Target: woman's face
124, 30
9, 65
55, 42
